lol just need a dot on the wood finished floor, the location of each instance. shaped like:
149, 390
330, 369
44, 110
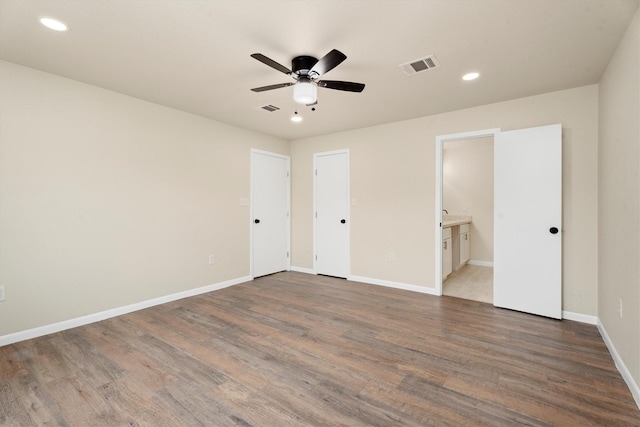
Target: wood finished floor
299, 350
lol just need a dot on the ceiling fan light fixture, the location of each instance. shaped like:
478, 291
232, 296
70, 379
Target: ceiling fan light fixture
305, 92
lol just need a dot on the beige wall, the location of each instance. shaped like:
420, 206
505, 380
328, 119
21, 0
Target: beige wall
393, 181
467, 189
619, 199
108, 200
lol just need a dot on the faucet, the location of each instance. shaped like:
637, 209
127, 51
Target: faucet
445, 211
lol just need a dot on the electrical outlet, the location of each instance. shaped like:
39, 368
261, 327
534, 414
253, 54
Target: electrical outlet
391, 257
620, 307
2, 294
211, 259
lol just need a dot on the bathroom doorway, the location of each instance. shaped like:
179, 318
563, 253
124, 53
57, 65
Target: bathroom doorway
527, 219
464, 213
467, 201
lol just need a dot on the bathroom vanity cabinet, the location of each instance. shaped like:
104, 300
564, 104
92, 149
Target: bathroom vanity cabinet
447, 253
463, 244
456, 239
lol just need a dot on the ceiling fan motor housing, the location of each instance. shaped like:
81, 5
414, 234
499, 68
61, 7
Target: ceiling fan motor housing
302, 64
306, 70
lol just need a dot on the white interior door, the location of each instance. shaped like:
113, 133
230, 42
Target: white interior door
528, 220
331, 206
269, 213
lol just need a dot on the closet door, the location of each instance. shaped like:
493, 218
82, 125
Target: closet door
269, 213
331, 225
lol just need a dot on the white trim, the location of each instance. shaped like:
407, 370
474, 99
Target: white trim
251, 204
480, 263
440, 139
107, 314
303, 270
468, 135
622, 368
579, 317
390, 284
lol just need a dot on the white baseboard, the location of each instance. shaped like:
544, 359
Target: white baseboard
303, 270
622, 368
480, 263
378, 282
397, 285
107, 314
579, 317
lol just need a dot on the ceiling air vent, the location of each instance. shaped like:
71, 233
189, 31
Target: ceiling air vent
420, 65
270, 108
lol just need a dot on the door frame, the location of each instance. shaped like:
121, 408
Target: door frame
251, 204
440, 140
348, 202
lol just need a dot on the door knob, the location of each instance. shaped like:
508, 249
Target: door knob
257, 221
342, 221
553, 230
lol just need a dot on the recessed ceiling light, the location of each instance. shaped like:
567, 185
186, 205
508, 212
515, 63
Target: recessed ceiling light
53, 24
470, 76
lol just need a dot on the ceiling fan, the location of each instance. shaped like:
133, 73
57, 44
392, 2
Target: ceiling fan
306, 71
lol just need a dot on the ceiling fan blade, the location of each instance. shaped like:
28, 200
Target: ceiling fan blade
270, 87
328, 62
339, 85
271, 63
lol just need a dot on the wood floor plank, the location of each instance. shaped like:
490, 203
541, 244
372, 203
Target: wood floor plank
293, 349
15, 403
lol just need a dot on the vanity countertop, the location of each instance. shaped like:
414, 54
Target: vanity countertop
452, 220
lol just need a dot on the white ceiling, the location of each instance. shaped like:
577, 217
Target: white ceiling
194, 55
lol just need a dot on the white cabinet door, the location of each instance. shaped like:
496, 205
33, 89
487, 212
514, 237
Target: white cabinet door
464, 247
528, 220
331, 229
447, 257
